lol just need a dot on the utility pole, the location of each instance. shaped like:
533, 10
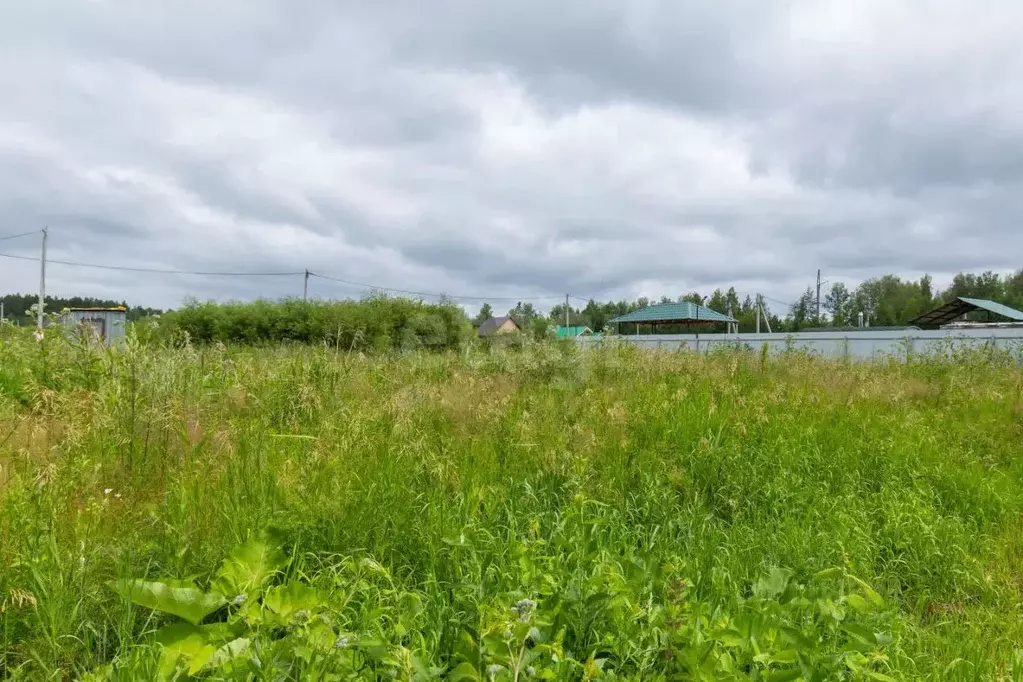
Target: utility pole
305, 287
566, 314
42, 288
818, 296
762, 313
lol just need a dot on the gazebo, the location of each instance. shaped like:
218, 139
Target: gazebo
957, 307
686, 313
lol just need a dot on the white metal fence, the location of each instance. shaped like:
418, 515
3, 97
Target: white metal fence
864, 345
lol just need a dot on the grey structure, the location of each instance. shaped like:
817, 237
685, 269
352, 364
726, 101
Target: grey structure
104, 324
861, 345
957, 307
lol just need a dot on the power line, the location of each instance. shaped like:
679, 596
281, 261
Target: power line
363, 285
296, 273
163, 271
15, 236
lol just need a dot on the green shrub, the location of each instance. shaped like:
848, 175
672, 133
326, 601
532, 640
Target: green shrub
377, 324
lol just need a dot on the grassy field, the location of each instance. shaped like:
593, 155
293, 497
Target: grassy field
304, 513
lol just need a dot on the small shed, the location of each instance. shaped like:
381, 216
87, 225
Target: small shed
960, 306
572, 332
497, 325
103, 324
685, 313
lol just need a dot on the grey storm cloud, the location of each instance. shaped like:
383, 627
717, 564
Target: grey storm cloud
508, 149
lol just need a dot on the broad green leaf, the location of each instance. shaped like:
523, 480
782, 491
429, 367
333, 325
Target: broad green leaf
784, 675
784, 657
228, 656
729, 637
180, 644
829, 573
872, 595
858, 603
188, 603
180, 636
201, 658
287, 600
463, 671
321, 637
795, 636
863, 638
249, 567
373, 648
773, 584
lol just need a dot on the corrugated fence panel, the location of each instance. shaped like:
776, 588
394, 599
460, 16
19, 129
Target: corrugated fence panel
865, 345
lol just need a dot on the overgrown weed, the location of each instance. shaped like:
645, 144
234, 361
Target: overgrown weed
534, 512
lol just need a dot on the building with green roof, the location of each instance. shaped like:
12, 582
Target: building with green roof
572, 332
957, 308
684, 313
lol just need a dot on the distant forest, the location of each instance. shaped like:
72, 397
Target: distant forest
884, 301
17, 307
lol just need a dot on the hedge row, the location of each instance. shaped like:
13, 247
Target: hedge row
378, 323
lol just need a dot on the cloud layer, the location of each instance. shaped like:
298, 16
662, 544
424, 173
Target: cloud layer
606, 149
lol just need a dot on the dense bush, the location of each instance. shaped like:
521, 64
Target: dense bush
377, 323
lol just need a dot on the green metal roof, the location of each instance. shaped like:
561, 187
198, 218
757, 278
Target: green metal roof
674, 312
958, 307
572, 331
996, 308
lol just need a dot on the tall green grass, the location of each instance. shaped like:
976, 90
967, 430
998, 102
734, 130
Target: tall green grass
511, 515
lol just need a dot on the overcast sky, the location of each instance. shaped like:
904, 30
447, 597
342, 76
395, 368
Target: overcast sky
506, 149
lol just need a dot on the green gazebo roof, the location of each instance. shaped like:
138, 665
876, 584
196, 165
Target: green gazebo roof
678, 313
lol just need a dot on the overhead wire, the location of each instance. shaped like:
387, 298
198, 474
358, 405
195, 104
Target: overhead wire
408, 292
292, 273
15, 236
163, 271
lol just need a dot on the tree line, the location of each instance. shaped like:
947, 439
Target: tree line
20, 308
884, 301
379, 322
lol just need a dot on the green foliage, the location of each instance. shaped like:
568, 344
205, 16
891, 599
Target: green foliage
377, 324
300, 512
183, 600
642, 620
486, 312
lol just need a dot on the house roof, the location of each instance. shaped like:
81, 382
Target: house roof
958, 307
572, 331
118, 309
663, 313
493, 324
